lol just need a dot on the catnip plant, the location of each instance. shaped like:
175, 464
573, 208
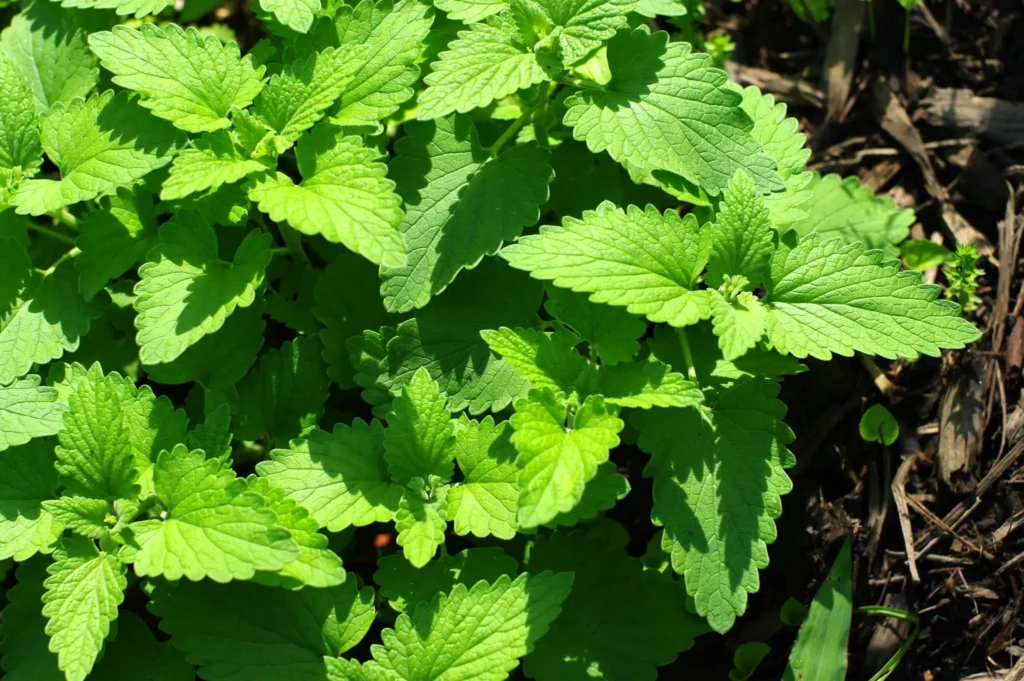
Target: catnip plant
430, 270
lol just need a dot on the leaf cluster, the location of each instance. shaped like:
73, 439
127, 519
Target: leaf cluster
436, 273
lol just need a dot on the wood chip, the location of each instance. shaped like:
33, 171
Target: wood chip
961, 427
961, 109
841, 53
895, 121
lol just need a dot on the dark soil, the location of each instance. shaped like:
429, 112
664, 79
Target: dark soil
970, 580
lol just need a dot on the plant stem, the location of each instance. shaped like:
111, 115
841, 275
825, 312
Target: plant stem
540, 114
871, 19
293, 241
52, 233
578, 83
510, 132
67, 256
64, 217
884, 611
280, 250
684, 344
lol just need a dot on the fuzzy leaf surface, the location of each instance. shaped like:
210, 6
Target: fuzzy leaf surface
344, 195
666, 108
83, 592
825, 297
448, 182
341, 478
557, 459
643, 260
186, 291
192, 80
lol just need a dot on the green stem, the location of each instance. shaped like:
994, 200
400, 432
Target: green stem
684, 343
871, 19
67, 256
578, 83
510, 132
540, 114
885, 611
280, 250
52, 233
64, 217
293, 241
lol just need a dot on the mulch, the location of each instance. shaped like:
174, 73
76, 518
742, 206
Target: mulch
937, 519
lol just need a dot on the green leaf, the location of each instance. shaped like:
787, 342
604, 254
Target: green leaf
717, 491
50, 50
843, 208
663, 8
137, 8
317, 566
448, 181
742, 238
215, 159
299, 96
344, 195
41, 316
135, 653
826, 297
666, 108
405, 586
606, 488
421, 520
150, 424
643, 260
192, 80
922, 254
739, 323
420, 440
347, 302
746, 659
486, 63
82, 515
585, 24
878, 425
95, 455
476, 633
546, 360
19, 130
214, 435
186, 291
114, 238
611, 331
341, 478
645, 384
393, 35
98, 144
471, 11
27, 479
219, 360
23, 641
28, 410
297, 15
213, 526
83, 591
780, 137
225, 630
620, 622
486, 501
284, 397
558, 457
820, 651
445, 339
